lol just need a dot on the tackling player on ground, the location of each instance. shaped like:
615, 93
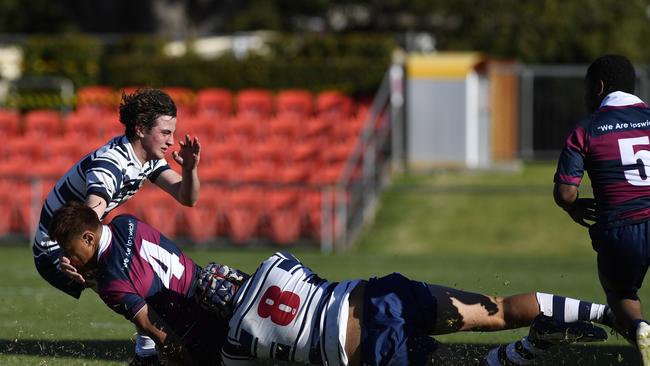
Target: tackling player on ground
613, 145
285, 312
110, 175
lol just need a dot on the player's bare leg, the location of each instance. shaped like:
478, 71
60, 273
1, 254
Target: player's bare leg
628, 320
568, 320
467, 311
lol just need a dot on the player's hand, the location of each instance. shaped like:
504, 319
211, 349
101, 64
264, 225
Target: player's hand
216, 288
583, 210
189, 154
69, 270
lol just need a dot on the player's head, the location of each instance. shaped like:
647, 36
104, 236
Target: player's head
76, 228
149, 116
607, 74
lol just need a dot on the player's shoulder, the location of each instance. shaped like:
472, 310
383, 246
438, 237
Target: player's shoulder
284, 257
124, 219
115, 150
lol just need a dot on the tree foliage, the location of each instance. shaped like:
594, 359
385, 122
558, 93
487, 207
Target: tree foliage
543, 31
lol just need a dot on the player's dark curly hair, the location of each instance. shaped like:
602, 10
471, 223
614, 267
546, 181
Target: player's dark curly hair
616, 72
143, 107
70, 221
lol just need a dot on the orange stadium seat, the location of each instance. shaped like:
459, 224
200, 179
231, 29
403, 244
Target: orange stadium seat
160, 211
9, 123
201, 221
228, 151
292, 175
24, 149
284, 130
215, 103
333, 105
6, 194
51, 169
26, 206
110, 126
295, 104
317, 130
254, 104
337, 154
202, 127
244, 130
42, 124
96, 99
243, 214
65, 149
255, 172
268, 152
82, 126
183, 98
329, 174
284, 216
346, 128
219, 172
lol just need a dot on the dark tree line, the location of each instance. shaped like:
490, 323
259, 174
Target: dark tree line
533, 31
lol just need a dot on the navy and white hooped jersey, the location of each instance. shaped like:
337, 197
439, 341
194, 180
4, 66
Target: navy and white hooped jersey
285, 312
112, 172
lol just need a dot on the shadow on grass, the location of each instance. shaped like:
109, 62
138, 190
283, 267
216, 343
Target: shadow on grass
110, 350
576, 355
454, 355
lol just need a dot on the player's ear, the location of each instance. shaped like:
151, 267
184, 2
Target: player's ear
139, 130
601, 88
88, 237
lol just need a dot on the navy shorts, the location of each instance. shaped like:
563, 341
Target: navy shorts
623, 257
47, 267
398, 316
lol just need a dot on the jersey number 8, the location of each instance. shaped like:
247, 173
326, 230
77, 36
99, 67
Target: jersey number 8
281, 306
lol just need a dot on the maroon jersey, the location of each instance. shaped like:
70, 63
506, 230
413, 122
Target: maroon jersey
137, 265
613, 146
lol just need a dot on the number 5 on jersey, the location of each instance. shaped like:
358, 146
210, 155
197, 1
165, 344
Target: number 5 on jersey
281, 306
638, 176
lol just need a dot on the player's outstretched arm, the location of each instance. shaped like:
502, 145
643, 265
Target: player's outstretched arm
167, 343
184, 188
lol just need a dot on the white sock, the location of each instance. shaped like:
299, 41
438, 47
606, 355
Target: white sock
144, 346
568, 310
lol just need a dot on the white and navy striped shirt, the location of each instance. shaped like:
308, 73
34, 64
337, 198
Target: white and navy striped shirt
285, 312
112, 172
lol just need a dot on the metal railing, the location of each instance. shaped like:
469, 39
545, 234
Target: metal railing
351, 203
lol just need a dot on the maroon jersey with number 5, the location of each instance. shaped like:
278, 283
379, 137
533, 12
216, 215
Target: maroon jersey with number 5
613, 146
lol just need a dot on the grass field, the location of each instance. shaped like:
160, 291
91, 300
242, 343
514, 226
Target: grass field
488, 232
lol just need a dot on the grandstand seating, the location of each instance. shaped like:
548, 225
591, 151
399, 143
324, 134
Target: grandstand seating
263, 165
42, 124
183, 98
9, 123
294, 104
215, 103
96, 99
254, 104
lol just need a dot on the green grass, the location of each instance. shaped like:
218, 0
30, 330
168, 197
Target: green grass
496, 233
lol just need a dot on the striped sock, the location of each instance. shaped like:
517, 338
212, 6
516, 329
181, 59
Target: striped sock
517, 353
568, 310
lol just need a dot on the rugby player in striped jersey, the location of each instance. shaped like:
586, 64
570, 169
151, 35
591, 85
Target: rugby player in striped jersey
285, 312
110, 175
